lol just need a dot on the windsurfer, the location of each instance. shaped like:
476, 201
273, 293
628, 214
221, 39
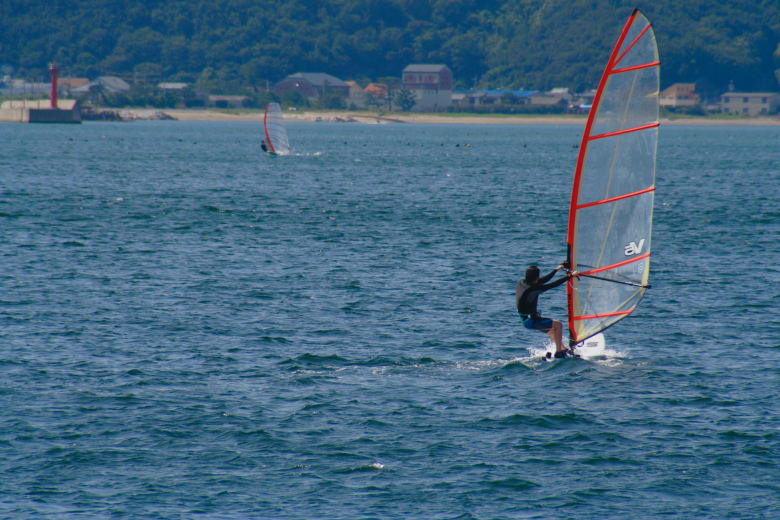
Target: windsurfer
263, 145
526, 295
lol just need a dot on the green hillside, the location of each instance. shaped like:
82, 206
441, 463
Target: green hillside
535, 44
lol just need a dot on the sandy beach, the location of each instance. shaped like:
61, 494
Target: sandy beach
373, 118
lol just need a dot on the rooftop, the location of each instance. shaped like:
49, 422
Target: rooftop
751, 94
518, 93
319, 79
424, 67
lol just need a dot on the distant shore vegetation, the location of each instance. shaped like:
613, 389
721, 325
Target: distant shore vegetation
243, 46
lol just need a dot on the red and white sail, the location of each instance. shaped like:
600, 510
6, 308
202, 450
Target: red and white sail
611, 209
275, 132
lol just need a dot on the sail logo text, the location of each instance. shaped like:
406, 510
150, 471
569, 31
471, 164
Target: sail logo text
633, 248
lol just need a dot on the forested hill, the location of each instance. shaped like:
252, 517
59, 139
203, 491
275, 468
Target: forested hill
487, 43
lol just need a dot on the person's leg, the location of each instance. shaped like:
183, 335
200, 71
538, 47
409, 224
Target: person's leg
556, 335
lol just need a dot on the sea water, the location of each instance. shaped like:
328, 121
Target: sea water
192, 329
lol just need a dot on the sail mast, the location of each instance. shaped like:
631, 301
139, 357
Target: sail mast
268, 140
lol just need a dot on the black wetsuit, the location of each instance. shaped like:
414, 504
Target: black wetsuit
526, 294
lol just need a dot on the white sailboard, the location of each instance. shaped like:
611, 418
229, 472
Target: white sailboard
275, 131
611, 207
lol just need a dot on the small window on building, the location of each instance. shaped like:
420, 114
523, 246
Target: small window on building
763, 100
744, 100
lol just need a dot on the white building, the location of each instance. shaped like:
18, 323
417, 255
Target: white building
430, 84
750, 103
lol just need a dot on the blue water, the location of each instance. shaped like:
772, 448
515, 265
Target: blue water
191, 330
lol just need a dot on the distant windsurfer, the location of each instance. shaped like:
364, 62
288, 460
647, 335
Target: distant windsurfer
526, 295
263, 145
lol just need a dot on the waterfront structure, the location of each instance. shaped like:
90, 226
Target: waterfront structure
107, 84
550, 100
312, 85
222, 101
480, 97
67, 85
430, 84
40, 111
52, 110
173, 85
356, 98
377, 94
680, 95
750, 103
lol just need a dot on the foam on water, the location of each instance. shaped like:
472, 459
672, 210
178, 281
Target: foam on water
595, 350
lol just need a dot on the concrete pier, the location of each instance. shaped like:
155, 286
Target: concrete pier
40, 111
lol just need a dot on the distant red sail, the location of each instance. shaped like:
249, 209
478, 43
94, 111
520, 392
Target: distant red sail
275, 132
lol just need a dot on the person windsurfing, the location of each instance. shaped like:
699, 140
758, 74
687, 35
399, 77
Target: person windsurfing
264, 145
526, 296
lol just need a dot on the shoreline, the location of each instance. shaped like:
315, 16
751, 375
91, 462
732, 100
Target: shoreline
371, 118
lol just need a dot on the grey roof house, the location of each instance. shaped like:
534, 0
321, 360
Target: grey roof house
311, 85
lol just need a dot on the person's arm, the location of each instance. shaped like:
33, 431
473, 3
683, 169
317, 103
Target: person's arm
556, 283
546, 278
518, 294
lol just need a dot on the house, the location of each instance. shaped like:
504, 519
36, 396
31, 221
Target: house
312, 85
546, 99
67, 85
562, 92
172, 86
582, 102
473, 98
227, 101
376, 93
356, 97
22, 87
680, 95
110, 84
750, 103
431, 86
584, 98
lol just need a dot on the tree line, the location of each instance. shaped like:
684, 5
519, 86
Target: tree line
236, 46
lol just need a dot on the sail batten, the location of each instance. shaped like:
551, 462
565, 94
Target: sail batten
631, 45
635, 67
616, 198
615, 266
624, 131
611, 208
606, 315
